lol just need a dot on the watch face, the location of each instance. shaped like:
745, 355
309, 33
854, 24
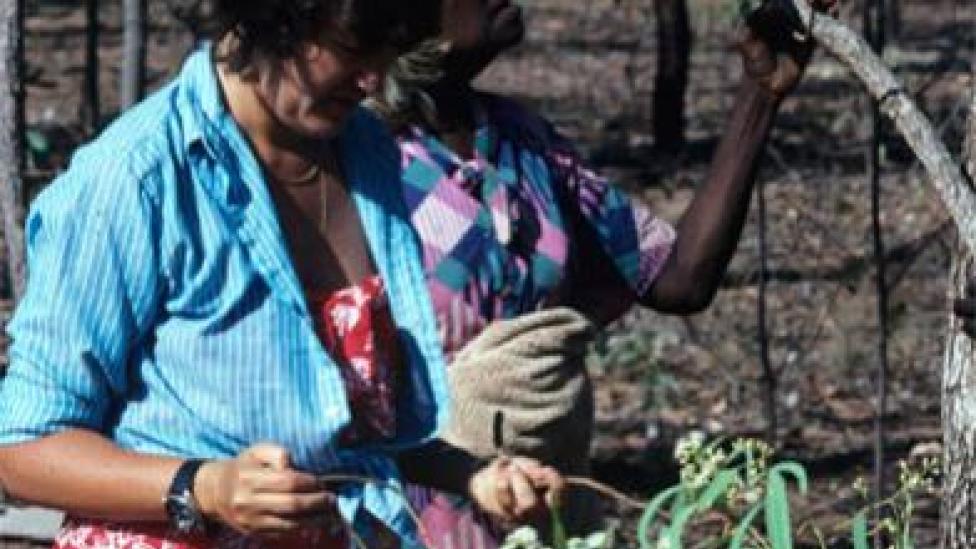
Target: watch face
183, 514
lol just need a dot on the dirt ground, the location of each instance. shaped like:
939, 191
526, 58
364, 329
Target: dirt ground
589, 66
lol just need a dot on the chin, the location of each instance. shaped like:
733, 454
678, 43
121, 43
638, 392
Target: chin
317, 127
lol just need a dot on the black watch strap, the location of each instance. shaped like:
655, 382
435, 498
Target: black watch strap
181, 506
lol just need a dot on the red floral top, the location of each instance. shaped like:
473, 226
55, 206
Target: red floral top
356, 327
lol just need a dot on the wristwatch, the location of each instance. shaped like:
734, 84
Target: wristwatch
184, 515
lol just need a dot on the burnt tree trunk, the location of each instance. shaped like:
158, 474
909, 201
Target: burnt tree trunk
673, 58
893, 18
134, 60
11, 138
959, 398
91, 111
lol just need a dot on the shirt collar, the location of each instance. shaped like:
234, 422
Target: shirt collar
201, 106
486, 140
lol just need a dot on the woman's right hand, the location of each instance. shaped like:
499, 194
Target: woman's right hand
259, 493
516, 489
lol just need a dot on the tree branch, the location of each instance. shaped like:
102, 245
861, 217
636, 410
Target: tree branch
944, 171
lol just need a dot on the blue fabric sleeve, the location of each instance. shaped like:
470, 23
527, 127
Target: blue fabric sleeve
92, 292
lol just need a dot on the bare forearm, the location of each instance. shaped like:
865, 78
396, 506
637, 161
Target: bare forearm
85, 474
710, 228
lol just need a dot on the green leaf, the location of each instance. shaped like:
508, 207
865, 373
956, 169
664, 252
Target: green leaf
650, 512
716, 489
37, 146
906, 537
778, 512
558, 529
676, 530
37, 142
742, 530
795, 469
859, 531
679, 502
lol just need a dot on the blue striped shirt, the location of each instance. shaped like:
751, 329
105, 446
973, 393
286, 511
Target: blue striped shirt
163, 310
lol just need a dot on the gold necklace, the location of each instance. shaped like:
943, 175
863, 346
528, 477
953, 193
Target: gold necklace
307, 178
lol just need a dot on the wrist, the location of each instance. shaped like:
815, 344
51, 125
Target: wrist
474, 489
181, 504
754, 90
204, 489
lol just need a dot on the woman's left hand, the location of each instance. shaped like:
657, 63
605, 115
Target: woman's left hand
771, 55
516, 489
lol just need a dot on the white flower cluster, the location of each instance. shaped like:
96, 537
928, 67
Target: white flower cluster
757, 464
526, 537
699, 462
922, 478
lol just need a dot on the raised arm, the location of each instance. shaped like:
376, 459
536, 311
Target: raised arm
710, 228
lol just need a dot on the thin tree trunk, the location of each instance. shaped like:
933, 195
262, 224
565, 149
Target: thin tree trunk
959, 399
91, 111
874, 30
770, 376
893, 18
134, 57
11, 135
673, 58
134, 63
11, 138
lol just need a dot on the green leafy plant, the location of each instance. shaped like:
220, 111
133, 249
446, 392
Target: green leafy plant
898, 508
736, 487
741, 484
733, 480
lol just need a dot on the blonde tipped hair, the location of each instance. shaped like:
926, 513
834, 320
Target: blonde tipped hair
403, 99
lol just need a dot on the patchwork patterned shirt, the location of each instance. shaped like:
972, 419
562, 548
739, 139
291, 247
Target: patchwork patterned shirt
523, 225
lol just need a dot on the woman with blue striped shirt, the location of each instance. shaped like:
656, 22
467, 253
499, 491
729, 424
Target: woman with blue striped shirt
206, 352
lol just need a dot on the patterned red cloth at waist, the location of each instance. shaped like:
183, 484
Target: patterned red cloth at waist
93, 534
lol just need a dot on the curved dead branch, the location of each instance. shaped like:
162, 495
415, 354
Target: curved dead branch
944, 171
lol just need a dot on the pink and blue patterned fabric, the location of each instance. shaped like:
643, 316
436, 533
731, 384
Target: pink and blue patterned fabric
516, 227
520, 226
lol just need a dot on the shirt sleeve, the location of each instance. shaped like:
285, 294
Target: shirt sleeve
635, 241
92, 292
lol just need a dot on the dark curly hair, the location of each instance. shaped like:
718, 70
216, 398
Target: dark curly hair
272, 30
